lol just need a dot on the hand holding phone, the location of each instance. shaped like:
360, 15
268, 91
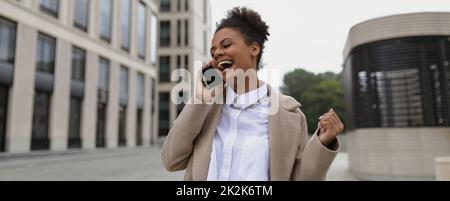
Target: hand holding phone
211, 77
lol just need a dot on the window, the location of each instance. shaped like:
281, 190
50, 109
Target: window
139, 126
186, 32
179, 66
178, 5
154, 38
164, 6
205, 45
186, 5
102, 93
140, 87
123, 100
125, 22
152, 109
142, 29
100, 137
105, 19
164, 38
50, 7
103, 76
75, 123
186, 62
78, 63
140, 107
164, 113
153, 95
178, 61
81, 12
164, 69
39, 136
3, 115
46, 53
205, 11
183, 101
78, 66
7, 41
124, 86
103, 81
178, 33
122, 122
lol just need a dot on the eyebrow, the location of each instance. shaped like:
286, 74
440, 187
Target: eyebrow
221, 42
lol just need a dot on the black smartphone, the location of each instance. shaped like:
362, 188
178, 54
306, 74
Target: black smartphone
211, 77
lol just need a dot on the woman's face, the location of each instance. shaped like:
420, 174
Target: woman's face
229, 50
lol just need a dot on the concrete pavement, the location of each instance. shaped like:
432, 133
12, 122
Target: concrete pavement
127, 164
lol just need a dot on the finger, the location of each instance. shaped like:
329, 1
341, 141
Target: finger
323, 130
336, 125
337, 121
210, 63
332, 128
334, 118
332, 114
329, 121
326, 118
325, 121
337, 117
199, 87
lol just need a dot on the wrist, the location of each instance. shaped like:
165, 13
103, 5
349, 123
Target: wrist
323, 139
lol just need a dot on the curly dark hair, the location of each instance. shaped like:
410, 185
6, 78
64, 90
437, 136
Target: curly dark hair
249, 23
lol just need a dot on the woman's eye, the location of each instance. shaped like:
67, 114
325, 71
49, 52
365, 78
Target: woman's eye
227, 45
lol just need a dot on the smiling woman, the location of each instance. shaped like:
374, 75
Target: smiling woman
241, 139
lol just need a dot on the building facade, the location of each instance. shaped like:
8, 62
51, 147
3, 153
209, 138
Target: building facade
79, 74
397, 87
184, 41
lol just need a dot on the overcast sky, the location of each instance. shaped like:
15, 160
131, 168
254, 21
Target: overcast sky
311, 34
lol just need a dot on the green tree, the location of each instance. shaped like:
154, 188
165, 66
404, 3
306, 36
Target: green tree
317, 94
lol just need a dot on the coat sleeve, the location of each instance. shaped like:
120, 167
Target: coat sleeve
178, 145
313, 159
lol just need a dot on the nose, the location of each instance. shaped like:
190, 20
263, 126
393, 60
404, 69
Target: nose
218, 53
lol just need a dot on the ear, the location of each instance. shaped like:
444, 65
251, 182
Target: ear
255, 49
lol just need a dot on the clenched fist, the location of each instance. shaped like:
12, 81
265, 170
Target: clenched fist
329, 127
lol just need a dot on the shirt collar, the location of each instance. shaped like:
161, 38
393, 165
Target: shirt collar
248, 98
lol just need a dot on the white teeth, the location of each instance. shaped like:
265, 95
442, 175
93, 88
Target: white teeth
225, 62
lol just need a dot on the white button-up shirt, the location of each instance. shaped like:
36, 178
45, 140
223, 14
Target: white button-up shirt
240, 149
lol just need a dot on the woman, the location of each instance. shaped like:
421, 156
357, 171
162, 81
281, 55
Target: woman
241, 139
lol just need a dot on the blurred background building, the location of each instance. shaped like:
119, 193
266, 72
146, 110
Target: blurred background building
84, 74
185, 30
397, 89
77, 74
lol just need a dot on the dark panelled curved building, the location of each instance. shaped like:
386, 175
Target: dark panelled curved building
397, 85
401, 82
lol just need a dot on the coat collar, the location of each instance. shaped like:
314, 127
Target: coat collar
284, 125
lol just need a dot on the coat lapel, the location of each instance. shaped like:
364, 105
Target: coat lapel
202, 155
284, 128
